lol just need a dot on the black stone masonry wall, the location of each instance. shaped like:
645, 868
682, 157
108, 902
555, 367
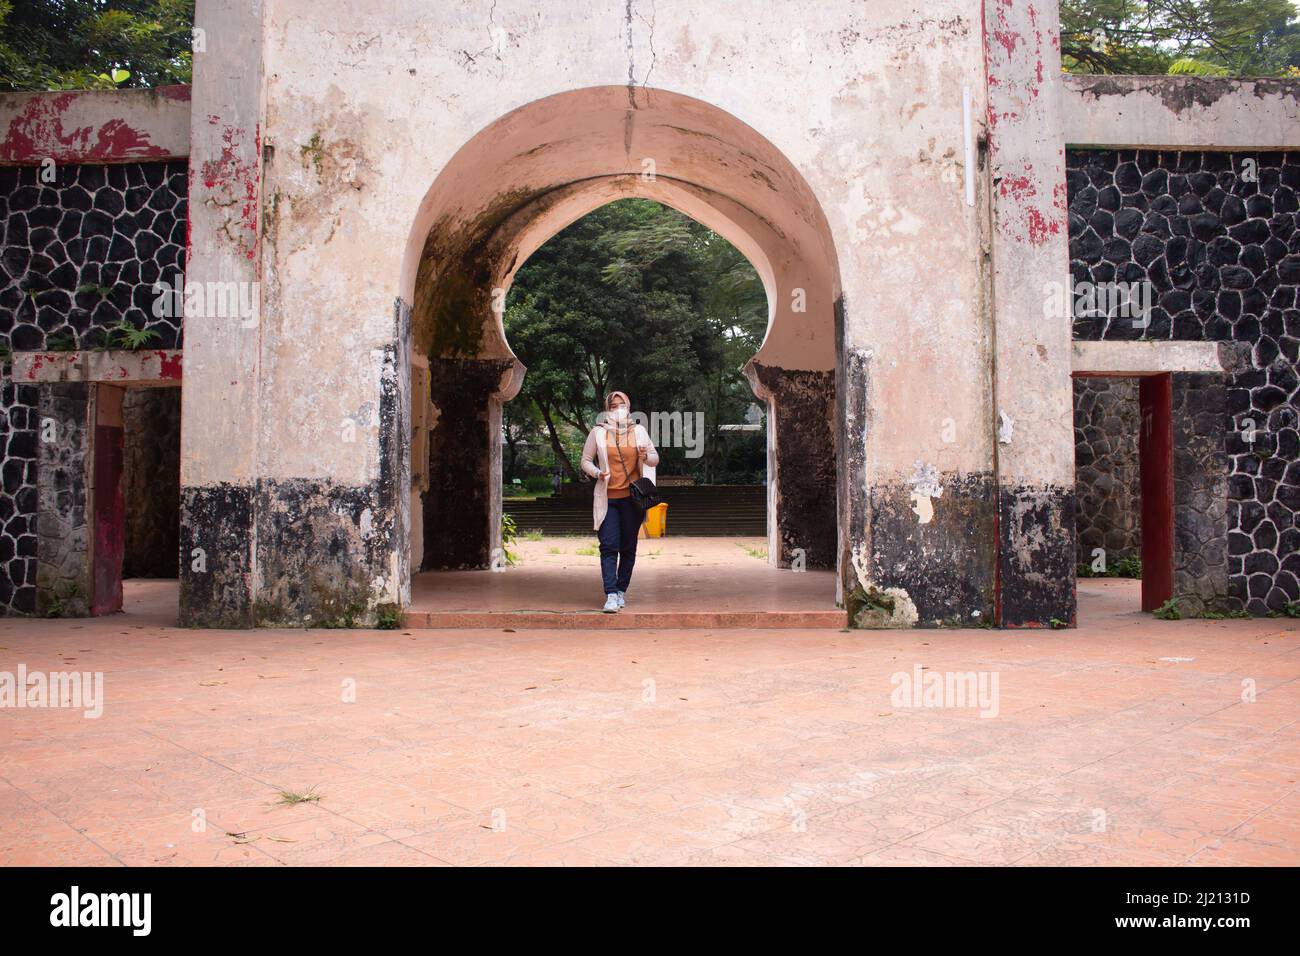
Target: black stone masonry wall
80, 254
1217, 236
1107, 479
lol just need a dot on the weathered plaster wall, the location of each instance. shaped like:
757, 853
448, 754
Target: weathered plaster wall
161, 367
1173, 112
1032, 395
1146, 357
219, 463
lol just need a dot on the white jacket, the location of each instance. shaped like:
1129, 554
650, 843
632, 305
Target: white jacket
595, 460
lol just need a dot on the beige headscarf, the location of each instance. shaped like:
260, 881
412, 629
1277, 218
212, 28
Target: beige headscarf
609, 399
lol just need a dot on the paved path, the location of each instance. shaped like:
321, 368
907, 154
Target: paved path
1128, 741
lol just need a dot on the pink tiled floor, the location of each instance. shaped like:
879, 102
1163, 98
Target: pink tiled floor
676, 582
1127, 741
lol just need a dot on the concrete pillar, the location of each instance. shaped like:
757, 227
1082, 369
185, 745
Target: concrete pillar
219, 404
64, 578
1200, 485
295, 467
801, 463
462, 506
1031, 358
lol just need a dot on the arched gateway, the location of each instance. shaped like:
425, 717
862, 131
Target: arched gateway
562, 157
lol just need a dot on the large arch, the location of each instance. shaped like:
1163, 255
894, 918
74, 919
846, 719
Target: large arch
528, 175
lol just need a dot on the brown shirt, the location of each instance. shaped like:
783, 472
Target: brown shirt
620, 480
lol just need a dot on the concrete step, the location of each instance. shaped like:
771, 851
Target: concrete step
624, 620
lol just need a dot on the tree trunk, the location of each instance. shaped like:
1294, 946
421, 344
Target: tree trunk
556, 445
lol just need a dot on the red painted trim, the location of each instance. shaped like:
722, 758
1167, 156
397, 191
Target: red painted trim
163, 366
169, 363
110, 520
39, 129
177, 91
1156, 465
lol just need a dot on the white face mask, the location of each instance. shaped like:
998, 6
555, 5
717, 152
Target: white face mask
619, 414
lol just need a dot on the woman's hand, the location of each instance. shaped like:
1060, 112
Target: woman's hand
604, 476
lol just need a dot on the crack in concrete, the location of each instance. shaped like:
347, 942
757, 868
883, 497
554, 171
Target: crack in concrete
650, 25
472, 58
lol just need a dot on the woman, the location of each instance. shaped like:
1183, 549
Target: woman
617, 453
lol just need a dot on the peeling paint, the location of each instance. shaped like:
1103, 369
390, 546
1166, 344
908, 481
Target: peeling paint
80, 126
234, 178
925, 488
1006, 425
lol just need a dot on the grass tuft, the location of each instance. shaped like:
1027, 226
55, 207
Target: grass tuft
289, 798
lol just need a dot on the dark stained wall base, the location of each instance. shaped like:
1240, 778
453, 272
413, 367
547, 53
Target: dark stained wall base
458, 503
805, 462
946, 564
216, 556
1037, 548
320, 550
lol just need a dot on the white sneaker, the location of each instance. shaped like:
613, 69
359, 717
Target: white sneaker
611, 604
622, 598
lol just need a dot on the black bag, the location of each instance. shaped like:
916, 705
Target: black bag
643, 492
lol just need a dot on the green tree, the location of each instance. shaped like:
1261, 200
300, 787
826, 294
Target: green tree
79, 44
1204, 37
635, 296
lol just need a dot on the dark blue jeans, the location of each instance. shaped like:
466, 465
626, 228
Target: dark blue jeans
617, 536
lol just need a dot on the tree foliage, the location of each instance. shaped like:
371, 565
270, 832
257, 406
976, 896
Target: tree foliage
1193, 37
78, 44
639, 297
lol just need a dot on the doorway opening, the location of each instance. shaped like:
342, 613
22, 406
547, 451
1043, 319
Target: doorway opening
151, 469
133, 498
1124, 479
